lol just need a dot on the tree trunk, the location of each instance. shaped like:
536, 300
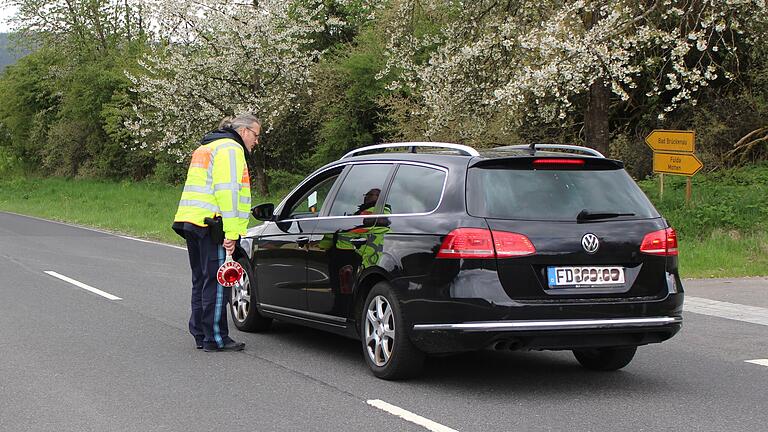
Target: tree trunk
596, 126
596, 117
259, 178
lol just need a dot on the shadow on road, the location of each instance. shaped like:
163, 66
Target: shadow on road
532, 373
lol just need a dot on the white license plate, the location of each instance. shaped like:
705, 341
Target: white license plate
584, 276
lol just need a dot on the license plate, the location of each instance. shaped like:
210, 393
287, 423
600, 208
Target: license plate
584, 276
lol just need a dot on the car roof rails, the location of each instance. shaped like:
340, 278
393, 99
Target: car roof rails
535, 147
465, 150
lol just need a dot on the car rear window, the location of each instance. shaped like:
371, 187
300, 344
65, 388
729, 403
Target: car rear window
553, 194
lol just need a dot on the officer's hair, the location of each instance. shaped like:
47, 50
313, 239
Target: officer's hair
244, 120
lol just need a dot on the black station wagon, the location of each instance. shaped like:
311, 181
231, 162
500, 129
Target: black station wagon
541, 247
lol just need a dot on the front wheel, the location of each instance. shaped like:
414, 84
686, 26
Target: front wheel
605, 359
245, 316
386, 346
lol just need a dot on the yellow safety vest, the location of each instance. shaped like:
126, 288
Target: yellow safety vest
217, 183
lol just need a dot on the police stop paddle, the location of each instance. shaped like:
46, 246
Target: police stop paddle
230, 272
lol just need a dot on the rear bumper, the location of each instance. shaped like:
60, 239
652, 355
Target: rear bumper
554, 334
474, 312
550, 325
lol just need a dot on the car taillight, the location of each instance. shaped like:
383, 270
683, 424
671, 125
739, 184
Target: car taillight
510, 244
467, 243
662, 242
483, 243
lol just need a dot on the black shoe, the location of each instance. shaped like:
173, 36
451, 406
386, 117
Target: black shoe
229, 346
199, 345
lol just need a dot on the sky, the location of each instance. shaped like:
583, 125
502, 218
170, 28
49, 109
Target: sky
5, 13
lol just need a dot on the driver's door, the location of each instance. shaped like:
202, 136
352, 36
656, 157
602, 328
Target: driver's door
281, 253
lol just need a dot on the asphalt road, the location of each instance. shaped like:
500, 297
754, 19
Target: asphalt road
71, 360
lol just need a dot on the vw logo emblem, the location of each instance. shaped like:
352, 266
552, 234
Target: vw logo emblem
590, 243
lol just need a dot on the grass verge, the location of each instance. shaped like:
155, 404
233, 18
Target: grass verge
722, 233
140, 209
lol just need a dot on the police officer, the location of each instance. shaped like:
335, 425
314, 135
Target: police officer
218, 185
369, 202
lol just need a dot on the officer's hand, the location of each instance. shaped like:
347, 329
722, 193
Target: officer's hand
229, 246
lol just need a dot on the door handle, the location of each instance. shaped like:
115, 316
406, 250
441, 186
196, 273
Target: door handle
302, 241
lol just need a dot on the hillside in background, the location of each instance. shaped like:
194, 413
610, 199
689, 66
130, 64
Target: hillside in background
7, 55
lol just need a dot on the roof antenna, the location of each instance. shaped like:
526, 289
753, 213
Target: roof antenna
533, 148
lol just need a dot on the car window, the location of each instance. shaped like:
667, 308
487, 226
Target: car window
310, 204
556, 195
360, 191
415, 189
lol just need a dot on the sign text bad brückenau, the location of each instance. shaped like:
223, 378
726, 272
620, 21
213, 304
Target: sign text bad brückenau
671, 141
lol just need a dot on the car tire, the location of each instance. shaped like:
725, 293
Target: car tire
245, 315
387, 349
605, 359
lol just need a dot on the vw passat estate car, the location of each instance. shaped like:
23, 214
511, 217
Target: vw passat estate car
541, 247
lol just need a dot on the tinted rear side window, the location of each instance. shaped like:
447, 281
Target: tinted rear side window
557, 195
415, 189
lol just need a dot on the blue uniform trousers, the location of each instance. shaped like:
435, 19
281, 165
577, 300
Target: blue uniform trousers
208, 321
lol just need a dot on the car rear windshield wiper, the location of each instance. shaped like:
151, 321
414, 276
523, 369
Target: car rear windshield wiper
593, 215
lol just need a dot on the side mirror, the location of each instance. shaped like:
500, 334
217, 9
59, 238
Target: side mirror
264, 212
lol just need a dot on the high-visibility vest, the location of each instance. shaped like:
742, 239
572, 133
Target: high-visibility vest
217, 183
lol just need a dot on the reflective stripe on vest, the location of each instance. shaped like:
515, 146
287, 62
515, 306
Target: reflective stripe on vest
217, 183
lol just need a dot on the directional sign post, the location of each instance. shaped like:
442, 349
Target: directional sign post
676, 163
673, 154
671, 141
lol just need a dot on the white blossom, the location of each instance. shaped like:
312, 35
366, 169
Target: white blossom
483, 60
216, 58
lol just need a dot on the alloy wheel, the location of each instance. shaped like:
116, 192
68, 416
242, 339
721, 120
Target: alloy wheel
379, 330
241, 298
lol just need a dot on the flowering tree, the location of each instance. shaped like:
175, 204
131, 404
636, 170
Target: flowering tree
216, 58
547, 59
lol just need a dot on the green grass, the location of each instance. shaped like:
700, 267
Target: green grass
725, 254
722, 233
141, 209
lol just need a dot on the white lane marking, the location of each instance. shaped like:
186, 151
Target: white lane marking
761, 362
95, 230
409, 416
149, 241
733, 311
82, 285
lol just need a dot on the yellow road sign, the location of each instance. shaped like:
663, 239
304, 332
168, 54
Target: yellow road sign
671, 141
676, 163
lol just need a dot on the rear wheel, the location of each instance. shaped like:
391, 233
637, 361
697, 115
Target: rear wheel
605, 359
245, 316
386, 346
